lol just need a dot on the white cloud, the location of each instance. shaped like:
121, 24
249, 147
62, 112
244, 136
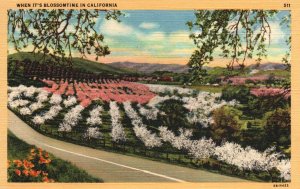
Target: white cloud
177, 37
277, 35
154, 36
114, 28
149, 25
156, 43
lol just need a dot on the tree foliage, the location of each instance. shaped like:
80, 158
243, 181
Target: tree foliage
278, 127
226, 124
173, 116
286, 21
59, 33
238, 34
239, 93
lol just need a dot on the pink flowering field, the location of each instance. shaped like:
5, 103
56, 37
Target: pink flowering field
264, 92
108, 90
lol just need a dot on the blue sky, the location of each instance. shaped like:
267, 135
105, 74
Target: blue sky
161, 36
148, 36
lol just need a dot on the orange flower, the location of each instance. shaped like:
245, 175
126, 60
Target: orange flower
40, 151
18, 162
46, 179
34, 173
43, 160
25, 172
18, 172
46, 155
27, 164
32, 150
48, 160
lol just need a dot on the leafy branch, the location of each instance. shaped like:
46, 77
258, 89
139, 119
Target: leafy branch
58, 33
238, 34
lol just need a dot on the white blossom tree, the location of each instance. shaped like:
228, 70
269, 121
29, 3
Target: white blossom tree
71, 119
70, 101
55, 99
117, 131
95, 118
93, 132
149, 139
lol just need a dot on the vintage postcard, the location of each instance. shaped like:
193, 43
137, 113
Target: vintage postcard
149, 94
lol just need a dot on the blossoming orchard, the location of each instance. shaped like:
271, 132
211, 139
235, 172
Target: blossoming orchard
215, 106
133, 117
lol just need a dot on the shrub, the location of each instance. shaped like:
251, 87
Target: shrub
174, 114
277, 127
240, 93
226, 123
258, 106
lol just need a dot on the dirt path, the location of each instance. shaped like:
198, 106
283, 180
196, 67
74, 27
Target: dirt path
112, 167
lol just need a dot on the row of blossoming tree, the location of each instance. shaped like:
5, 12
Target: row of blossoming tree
114, 113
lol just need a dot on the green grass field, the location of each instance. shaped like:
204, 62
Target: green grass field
78, 63
59, 170
278, 73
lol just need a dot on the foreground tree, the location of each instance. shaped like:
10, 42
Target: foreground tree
238, 34
226, 124
58, 33
174, 114
278, 127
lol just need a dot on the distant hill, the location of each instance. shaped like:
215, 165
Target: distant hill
150, 68
268, 66
78, 63
98, 67
131, 67
176, 68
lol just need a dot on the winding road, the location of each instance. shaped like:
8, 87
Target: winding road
112, 167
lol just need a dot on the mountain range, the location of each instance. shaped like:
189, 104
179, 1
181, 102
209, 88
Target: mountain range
176, 68
150, 68
132, 67
268, 66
